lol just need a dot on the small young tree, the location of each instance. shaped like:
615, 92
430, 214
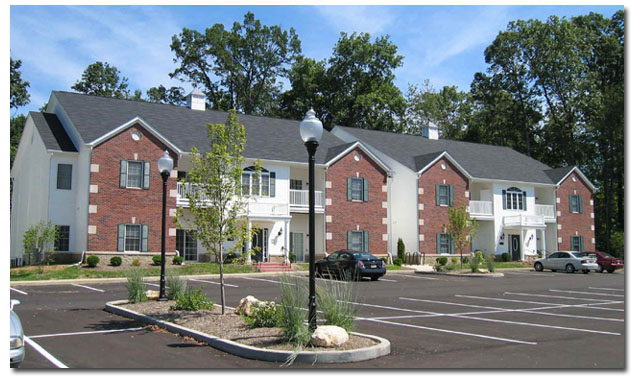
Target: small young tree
218, 207
460, 228
38, 240
401, 249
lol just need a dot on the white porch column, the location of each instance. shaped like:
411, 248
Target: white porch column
521, 244
544, 244
247, 245
287, 243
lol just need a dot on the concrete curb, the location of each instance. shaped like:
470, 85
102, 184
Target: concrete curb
382, 348
488, 275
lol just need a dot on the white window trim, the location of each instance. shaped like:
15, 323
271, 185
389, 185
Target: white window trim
141, 174
139, 238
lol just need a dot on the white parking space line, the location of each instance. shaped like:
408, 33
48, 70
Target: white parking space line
606, 289
84, 333
587, 293
550, 296
265, 280
87, 287
451, 332
529, 273
388, 280
45, 353
18, 291
152, 284
212, 282
413, 276
590, 306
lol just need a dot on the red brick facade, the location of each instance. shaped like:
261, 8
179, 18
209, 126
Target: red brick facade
433, 216
575, 224
345, 215
117, 205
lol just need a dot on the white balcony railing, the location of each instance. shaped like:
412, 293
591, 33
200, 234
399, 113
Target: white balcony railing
185, 189
268, 209
546, 211
300, 198
481, 208
524, 220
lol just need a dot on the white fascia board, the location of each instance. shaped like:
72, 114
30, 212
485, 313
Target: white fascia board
582, 175
268, 161
146, 125
366, 150
485, 180
444, 154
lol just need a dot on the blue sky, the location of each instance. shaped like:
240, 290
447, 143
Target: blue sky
443, 44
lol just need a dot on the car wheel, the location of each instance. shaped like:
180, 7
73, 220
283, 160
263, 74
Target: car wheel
599, 268
585, 271
538, 266
570, 269
611, 270
374, 278
554, 270
347, 274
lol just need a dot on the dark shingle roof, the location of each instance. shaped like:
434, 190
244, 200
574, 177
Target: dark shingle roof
479, 160
556, 174
267, 138
52, 132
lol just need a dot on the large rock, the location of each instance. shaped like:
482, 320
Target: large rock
329, 336
152, 295
248, 304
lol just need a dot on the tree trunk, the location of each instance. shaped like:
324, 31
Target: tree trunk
222, 300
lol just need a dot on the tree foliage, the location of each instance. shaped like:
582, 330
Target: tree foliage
160, 94
238, 68
16, 126
19, 96
461, 228
102, 79
38, 240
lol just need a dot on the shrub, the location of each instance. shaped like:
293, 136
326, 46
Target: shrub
442, 261
229, 258
506, 257
294, 292
480, 255
475, 263
385, 260
177, 260
454, 260
338, 303
116, 261
175, 286
292, 256
157, 260
465, 260
401, 249
398, 262
135, 262
92, 261
490, 266
191, 300
135, 286
265, 316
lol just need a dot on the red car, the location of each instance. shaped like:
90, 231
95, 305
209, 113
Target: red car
607, 261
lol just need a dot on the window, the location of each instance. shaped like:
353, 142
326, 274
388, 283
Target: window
133, 237
64, 176
577, 243
444, 194
295, 184
514, 198
357, 189
575, 203
358, 240
187, 244
263, 184
134, 174
444, 244
62, 238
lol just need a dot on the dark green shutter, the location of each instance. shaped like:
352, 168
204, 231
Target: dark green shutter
581, 244
123, 174
451, 249
365, 241
438, 241
579, 203
348, 189
450, 188
144, 243
121, 232
437, 194
349, 240
365, 186
524, 200
504, 199
146, 172
272, 184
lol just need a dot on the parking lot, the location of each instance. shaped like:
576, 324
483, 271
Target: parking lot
524, 320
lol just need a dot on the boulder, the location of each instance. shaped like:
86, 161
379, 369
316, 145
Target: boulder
247, 304
329, 336
153, 295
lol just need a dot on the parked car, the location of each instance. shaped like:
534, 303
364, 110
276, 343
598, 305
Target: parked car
351, 265
568, 261
16, 337
607, 262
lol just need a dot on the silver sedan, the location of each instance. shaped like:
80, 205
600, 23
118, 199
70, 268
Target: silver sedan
16, 337
569, 261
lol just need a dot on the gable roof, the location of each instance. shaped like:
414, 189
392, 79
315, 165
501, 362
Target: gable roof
479, 160
558, 175
52, 132
267, 138
338, 152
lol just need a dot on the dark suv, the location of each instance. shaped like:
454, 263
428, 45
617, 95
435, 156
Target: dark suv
607, 261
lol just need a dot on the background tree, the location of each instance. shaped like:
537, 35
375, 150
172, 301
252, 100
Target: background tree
172, 95
461, 228
218, 208
19, 95
238, 68
102, 79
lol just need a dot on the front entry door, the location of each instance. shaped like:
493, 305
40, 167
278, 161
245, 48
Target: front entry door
260, 244
297, 245
514, 247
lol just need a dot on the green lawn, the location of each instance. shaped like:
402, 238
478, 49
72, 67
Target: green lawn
497, 265
82, 272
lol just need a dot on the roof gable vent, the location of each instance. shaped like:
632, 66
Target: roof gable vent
196, 100
429, 131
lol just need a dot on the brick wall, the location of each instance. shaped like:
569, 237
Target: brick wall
344, 215
114, 205
575, 224
433, 216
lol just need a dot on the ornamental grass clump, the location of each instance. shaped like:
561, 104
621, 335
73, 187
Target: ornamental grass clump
338, 303
490, 263
474, 263
294, 292
136, 287
175, 286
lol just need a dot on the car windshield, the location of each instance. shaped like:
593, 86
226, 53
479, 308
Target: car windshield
363, 256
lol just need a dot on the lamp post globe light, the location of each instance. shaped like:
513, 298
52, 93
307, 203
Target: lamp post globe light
165, 165
311, 134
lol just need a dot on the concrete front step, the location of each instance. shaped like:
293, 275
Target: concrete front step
272, 266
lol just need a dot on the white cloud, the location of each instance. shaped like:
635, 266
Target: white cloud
370, 19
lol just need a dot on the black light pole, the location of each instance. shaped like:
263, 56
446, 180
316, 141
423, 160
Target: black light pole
311, 133
165, 164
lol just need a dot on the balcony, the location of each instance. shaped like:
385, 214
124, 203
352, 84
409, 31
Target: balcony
268, 209
524, 221
299, 201
548, 212
481, 209
185, 189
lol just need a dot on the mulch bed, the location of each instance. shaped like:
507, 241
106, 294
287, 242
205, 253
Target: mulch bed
232, 327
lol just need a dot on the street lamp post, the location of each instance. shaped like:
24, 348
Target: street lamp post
311, 134
165, 165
